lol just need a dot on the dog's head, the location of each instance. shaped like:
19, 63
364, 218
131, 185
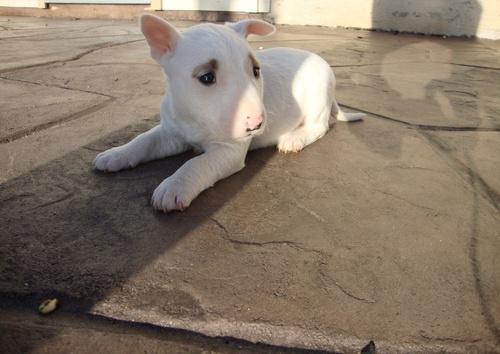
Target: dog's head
215, 80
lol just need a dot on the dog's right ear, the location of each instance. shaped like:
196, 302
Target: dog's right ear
161, 36
258, 27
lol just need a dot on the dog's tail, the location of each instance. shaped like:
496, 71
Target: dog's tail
345, 117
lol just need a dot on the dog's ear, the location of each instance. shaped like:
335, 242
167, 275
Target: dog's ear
258, 27
161, 36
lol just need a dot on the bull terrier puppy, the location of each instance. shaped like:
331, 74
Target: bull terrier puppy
224, 99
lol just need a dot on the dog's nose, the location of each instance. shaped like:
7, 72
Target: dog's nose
254, 123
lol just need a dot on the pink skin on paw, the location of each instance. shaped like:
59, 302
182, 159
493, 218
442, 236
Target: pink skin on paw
169, 196
290, 146
179, 204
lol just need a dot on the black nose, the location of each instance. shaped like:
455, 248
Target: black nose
256, 128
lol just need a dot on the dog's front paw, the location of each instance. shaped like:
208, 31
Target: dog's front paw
113, 160
171, 195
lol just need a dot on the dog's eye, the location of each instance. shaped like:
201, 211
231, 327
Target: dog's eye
207, 79
256, 72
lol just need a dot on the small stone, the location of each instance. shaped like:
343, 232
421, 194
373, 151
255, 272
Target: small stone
48, 306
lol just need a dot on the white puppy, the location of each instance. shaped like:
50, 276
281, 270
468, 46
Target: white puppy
224, 99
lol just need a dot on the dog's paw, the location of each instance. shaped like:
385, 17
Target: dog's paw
291, 142
171, 195
113, 160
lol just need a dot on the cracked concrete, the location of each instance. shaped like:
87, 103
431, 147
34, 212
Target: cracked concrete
384, 230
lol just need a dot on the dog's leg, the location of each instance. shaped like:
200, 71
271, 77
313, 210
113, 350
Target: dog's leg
151, 145
219, 161
311, 129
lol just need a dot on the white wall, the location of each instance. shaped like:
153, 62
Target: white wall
19, 3
217, 5
451, 17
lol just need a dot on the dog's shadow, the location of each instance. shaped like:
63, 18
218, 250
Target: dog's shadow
70, 232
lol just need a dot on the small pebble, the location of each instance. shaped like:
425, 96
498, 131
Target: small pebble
48, 306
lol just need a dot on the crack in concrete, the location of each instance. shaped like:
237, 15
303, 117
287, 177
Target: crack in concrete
353, 65
34, 37
28, 131
414, 62
462, 92
58, 86
58, 200
324, 276
405, 200
43, 37
487, 313
298, 246
24, 132
479, 189
73, 58
17, 196
475, 66
346, 292
402, 167
448, 339
465, 172
423, 126
116, 63
251, 243
293, 244
323, 256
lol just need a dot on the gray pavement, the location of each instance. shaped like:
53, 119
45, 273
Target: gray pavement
384, 230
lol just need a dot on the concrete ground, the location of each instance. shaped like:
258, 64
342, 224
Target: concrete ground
384, 230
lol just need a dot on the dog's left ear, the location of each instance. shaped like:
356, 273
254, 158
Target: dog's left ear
258, 27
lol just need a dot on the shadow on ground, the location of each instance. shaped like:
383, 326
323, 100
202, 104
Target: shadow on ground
76, 234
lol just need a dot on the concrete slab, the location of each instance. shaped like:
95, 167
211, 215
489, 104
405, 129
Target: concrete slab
119, 72
440, 95
386, 229
66, 40
22, 331
23, 114
476, 155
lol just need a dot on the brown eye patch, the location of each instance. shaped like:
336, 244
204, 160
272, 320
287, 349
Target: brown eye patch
210, 66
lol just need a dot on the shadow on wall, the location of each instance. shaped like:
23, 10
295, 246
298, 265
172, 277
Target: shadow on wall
459, 18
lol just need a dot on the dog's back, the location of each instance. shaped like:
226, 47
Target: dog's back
298, 87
